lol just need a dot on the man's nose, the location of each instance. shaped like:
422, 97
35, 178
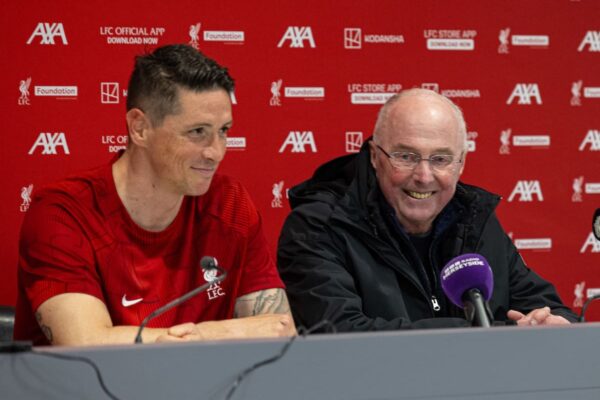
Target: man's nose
215, 149
423, 171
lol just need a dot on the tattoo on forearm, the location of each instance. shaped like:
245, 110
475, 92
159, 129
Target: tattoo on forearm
272, 301
45, 328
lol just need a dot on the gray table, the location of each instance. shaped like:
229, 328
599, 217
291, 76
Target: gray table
499, 363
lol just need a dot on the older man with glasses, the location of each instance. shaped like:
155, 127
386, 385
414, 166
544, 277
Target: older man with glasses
369, 233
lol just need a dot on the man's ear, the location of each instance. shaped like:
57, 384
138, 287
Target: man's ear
372, 153
462, 165
138, 125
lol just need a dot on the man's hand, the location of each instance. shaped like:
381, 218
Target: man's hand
259, 326
539, 316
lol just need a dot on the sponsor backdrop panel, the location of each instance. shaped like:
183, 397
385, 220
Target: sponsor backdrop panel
310, 79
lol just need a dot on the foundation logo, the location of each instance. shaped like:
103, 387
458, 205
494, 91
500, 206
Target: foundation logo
229, 37
132, 35
589, 92
537, 41
194, 33
236, 143
115, 143
526, 190
354, 38
533, 244
525, 92
50, 143
298, 140
298, 36
450, 39
25, 197
59, 92
452, 93
354, 141
49, 33
542, 141
277, 192
591, 41
110, 93
24, 89
578, 292
590, 243
301, 92
372, 93
591, 139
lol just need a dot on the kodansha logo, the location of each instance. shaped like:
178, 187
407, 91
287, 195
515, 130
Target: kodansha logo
354, 38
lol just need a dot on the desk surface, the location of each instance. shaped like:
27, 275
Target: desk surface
496, 364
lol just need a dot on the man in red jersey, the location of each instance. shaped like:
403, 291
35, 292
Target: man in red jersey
101, 250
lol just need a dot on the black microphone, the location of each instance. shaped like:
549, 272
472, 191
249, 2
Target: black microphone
596, 224
208, 264
468, 281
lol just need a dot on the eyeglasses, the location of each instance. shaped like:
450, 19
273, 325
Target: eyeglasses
410, 160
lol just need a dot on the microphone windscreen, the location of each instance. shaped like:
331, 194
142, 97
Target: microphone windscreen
208, 262
466, 272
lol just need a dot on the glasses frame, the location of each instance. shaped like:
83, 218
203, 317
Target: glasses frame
420, 158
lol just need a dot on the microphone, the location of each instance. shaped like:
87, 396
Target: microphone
596, 224
468, 281
209, 264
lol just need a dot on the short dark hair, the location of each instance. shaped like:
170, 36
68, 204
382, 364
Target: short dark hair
157, 76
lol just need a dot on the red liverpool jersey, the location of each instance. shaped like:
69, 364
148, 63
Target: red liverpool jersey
77, 237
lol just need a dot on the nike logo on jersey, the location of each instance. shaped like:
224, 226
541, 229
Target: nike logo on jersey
129, 303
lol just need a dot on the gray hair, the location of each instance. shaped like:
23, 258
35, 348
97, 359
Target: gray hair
383, 112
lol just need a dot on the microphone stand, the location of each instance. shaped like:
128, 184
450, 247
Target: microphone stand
179, 300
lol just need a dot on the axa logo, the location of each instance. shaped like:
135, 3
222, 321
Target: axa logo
591, 40
48, 32
526, 190
592, 242
298, 140
297, 35
50, 143
525, 92
592, 138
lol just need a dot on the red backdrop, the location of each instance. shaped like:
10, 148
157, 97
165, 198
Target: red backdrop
311, 76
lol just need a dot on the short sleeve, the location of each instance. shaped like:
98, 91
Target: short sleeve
55, 256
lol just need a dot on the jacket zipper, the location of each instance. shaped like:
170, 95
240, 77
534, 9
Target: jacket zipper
431, 299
